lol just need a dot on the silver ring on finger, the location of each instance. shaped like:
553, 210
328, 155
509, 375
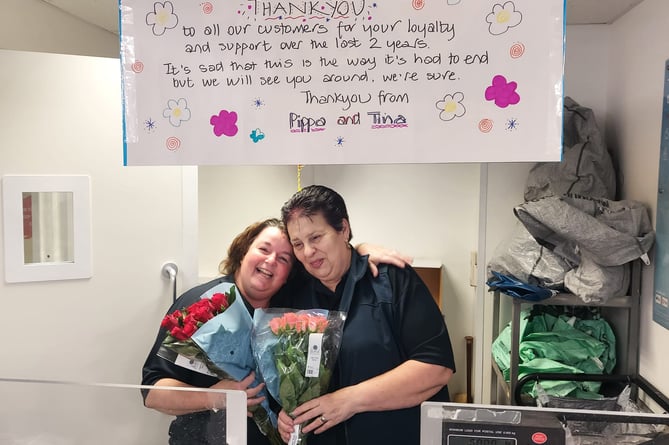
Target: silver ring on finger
324, 419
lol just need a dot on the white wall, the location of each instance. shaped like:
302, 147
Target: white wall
34, 25
503, 188
586, 68
232, 197
637, 55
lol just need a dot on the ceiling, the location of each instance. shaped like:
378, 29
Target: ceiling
104, 13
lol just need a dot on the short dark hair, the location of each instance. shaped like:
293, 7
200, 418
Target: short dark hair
315, 199
242, 243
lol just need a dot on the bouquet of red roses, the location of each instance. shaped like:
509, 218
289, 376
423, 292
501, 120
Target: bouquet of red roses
212, 336
296, 352
183, 323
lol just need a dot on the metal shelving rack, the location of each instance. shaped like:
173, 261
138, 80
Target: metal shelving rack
626, 330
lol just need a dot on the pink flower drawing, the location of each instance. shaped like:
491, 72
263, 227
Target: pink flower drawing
502, 92
224, 123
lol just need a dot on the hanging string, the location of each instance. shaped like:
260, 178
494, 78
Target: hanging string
299, 176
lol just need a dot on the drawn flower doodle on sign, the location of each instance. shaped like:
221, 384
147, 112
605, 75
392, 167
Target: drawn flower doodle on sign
207, 7
177, 111
517, 50
137, 67
502, 92
502, 18
486, 125
150, 125
512, 124
224, 123
257, 135
172, 143
162, 18
451, 106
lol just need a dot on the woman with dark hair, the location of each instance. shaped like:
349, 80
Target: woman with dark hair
259, 263
395, 351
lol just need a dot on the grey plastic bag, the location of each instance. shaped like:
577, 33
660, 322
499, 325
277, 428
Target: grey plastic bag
521, 256
586, 168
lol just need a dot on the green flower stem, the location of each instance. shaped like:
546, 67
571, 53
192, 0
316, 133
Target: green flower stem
265, 425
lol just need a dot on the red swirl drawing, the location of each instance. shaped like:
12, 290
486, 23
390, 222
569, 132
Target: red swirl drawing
172, 143
137, 67
485, 125
207, 7
418, 4
517, 50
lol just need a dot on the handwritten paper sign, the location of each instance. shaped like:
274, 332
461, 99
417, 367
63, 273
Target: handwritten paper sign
336, 81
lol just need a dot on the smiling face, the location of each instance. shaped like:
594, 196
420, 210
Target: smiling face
324, 252
265, 267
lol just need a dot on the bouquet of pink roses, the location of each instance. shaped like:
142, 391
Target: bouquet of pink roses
296, 352
212, 336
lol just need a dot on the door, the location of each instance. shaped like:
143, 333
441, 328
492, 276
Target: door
64, 118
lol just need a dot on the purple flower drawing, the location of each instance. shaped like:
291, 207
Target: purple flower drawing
224, 123
502, 92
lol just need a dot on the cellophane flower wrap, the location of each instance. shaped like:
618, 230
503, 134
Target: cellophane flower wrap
296, 352
213, 336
